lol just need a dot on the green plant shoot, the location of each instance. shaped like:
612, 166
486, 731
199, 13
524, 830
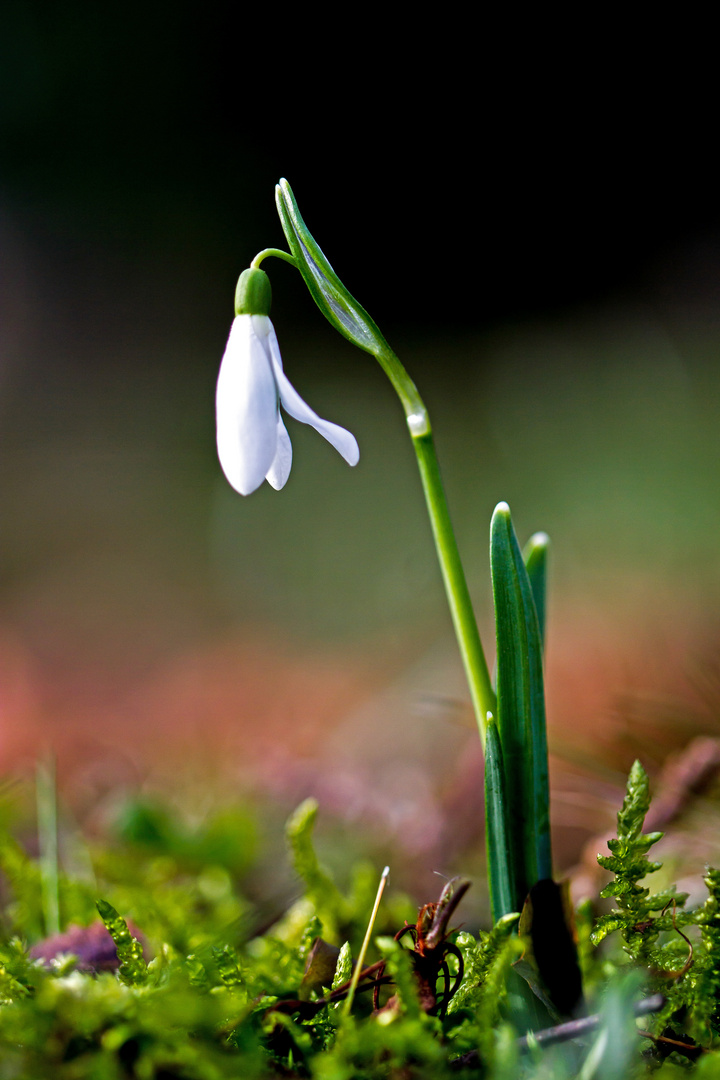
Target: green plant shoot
254, 445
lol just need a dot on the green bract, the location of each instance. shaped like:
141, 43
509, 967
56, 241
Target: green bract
341, 309
326, 288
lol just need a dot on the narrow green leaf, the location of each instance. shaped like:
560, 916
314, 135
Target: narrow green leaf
501, 880
327, 290
535, 555
521, 708
47, 818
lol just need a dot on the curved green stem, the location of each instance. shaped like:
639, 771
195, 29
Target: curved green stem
416, 413
352, 321
267, 252
461, 610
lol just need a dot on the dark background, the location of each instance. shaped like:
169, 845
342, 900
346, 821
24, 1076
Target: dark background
453, 171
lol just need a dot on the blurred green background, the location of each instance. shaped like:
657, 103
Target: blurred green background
540, 244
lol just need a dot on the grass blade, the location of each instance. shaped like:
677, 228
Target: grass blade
46, 797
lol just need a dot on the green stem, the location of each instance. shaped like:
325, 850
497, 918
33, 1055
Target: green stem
463, 617
267, 252
416, 413
461, 610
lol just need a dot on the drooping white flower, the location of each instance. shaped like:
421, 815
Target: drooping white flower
252, 441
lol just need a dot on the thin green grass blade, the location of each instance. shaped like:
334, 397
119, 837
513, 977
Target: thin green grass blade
521, 708
535, 554
501, 881
46, 797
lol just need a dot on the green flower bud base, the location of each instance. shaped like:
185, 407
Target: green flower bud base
253, 295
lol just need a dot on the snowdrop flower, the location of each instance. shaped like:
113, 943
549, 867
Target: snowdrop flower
252, 441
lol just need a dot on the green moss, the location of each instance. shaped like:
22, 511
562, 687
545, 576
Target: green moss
218, 999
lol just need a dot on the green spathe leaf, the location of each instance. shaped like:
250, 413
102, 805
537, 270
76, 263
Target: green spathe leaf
326, 288
521, 708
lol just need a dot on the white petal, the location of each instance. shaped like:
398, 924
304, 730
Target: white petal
339, 437
247, 408
280, 468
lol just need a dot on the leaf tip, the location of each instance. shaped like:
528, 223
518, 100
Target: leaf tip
538, 540
501, 521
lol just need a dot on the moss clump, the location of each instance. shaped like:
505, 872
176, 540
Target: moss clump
200, 994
